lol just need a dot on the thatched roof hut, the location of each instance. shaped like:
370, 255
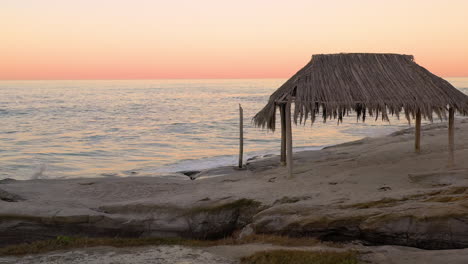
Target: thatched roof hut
371, 84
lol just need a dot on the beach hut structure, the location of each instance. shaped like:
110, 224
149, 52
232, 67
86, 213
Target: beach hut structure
371, 84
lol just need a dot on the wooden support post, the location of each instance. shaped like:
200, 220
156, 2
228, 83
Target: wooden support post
283, 134
241, 136
289, 139
417, 135
451, 137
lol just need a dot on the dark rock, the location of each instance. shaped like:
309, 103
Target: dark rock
220, 221
111, 174
231, 180
7, 180
385, 188
253, 158
191, 173
10, 197
86, 183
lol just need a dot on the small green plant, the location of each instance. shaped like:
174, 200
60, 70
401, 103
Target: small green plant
64, 240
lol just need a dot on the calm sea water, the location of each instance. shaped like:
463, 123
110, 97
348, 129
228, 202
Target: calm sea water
64, 129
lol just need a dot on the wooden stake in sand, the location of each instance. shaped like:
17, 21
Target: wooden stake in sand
417, 139
451, 137
283, 134
289, 138
241, 135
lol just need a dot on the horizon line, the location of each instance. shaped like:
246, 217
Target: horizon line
135, 79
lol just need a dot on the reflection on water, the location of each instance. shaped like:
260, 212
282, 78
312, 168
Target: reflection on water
134, 127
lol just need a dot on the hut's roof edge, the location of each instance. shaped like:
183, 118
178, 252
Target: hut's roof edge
376, 82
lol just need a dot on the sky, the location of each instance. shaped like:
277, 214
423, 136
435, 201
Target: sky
143, 39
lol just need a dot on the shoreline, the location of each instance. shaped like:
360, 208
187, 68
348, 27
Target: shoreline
172, 170
374, 190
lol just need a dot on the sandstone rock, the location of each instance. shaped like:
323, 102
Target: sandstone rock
212, 221
419, 223
334, 195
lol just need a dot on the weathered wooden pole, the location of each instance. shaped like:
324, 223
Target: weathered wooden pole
283, 134
241, 135
417, 131
289, 139
451, 137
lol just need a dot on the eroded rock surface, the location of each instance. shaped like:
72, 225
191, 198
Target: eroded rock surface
211, 221
376, 190
436, 220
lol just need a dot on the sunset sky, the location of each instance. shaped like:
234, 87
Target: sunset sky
132, 39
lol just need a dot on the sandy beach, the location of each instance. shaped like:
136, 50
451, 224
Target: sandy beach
377, 191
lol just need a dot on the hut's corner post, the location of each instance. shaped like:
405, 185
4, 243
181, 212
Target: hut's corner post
241, 136
417, 133
451, 137
283, 134
289, 138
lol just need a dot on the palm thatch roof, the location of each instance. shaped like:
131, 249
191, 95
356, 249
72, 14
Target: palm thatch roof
332, 85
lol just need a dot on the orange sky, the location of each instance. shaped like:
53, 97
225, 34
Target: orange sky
131, 39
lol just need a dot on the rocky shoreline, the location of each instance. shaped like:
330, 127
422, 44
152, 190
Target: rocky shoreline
375, 190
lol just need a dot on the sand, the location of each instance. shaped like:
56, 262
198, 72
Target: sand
109, 255
230, 255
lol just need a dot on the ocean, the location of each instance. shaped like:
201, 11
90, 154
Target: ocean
99, 128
